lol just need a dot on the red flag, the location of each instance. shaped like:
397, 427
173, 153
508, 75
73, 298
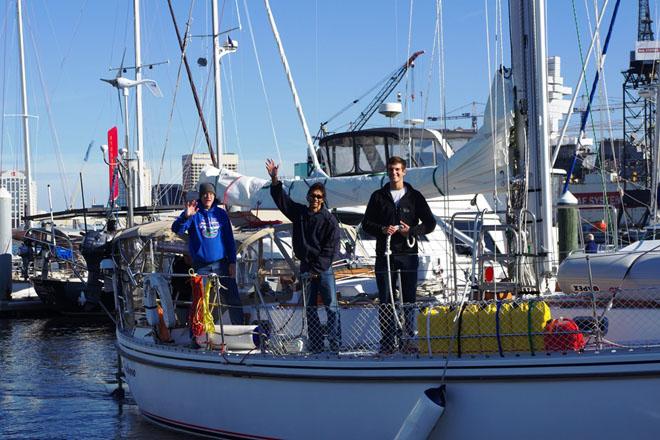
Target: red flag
112, 160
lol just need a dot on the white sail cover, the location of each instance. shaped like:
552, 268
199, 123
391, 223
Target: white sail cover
478, 167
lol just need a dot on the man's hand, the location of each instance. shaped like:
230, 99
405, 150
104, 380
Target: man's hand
404, 229
390, 230
231, 270
191, 208
272, 170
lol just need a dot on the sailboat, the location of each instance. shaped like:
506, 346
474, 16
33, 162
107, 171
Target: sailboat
545, 366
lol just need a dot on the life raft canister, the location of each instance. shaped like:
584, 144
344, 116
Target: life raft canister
563, 334
156, 286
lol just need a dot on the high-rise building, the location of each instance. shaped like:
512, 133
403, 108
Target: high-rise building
192, 165
14, 182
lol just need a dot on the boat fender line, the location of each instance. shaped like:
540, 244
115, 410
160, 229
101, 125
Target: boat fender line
156, 286
424, 415
435, 183
497, 327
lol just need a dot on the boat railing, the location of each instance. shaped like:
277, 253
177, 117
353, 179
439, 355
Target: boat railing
527, 325
55, 248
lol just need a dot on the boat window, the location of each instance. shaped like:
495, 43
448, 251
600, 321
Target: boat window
370, 154
401, 149
339, 154
423, 152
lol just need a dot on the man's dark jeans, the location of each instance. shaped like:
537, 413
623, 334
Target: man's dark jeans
407, 265
322, 284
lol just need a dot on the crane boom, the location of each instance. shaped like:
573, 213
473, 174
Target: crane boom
384, 92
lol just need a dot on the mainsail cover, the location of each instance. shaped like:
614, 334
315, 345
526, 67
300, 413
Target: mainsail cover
478, 167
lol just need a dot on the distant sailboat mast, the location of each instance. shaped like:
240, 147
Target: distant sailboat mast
25, 115
140, 193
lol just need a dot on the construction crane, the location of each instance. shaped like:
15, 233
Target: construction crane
638, 112
467, 115
644, 31
384, 92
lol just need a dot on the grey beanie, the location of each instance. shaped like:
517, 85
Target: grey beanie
206, 187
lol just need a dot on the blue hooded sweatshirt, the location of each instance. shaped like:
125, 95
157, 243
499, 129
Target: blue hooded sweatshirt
210, 235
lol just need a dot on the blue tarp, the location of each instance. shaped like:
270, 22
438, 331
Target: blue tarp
64, 253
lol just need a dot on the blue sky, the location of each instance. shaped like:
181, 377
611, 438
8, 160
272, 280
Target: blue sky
337, 50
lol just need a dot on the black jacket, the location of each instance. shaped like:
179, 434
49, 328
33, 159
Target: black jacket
315, 234
381, 212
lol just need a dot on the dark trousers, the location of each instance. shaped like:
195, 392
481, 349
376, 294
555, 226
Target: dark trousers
406, 265
323, 285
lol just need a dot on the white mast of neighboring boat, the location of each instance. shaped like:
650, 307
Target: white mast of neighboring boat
217, 82
218, 52
656, 166
25, 115
296, 100
140, 194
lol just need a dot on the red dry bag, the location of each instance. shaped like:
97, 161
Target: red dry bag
563, 334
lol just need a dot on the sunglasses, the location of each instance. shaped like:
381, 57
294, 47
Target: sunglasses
315, 196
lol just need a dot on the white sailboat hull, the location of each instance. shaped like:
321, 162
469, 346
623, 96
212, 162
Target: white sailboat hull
590, 395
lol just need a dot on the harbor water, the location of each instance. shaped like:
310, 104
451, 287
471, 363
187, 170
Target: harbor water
56, 379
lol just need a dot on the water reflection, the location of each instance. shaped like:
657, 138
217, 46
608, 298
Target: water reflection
54, 385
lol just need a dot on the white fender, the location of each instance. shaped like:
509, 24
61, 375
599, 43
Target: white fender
156, 284
424, 415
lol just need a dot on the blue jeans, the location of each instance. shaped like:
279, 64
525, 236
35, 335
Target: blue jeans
407, 264
228, 296
322, 284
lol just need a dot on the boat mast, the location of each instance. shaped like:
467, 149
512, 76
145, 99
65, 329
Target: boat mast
296, 101
25, 115
140, 194
529, 60
544, 211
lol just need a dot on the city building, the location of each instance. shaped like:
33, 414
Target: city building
192, 165
14, 182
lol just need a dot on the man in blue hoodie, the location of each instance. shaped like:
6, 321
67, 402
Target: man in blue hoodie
211, 245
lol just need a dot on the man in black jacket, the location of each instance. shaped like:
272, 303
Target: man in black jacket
315, 243
395, 211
